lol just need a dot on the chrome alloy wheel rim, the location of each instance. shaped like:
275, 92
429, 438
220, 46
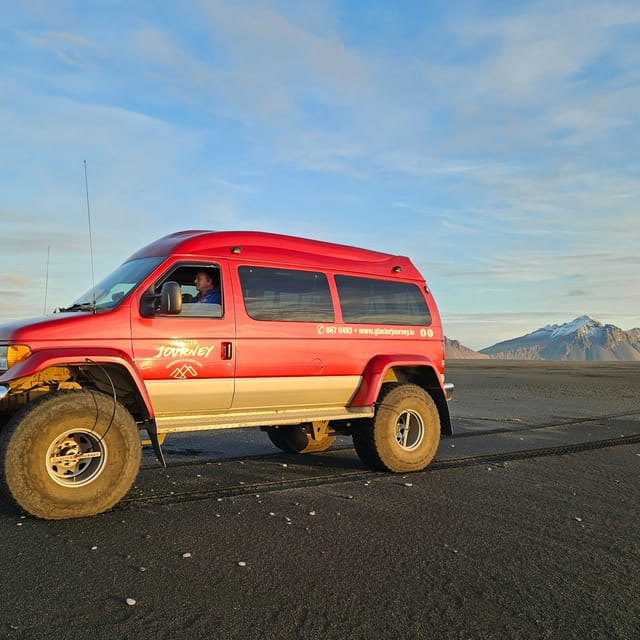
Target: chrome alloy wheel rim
409, 430
76, 457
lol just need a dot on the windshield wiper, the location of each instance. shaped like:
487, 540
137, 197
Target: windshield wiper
79, 306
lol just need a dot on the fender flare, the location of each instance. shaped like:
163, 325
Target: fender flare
41, 360
376, 370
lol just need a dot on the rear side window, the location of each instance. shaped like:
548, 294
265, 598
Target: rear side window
286, 295
370, 301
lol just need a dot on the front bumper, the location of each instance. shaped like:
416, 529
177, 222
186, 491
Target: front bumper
448, 390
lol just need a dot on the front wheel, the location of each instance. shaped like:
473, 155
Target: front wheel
404, 433
69, 454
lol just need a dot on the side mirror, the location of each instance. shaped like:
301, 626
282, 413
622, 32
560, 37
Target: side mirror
167, 302
170, 298
149, 304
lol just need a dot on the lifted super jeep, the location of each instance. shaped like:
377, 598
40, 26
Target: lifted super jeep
304, 339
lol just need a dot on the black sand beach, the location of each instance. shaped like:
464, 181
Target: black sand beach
274, 546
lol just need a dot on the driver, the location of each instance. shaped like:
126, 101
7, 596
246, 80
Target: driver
208, 293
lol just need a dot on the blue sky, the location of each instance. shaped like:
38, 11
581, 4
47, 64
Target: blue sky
495, 143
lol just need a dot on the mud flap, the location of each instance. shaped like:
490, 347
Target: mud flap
155, 441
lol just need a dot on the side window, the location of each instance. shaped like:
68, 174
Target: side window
286, 294
370, 301
201, 288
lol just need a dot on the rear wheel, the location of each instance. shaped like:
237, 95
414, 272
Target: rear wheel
69, 454
404, 433
298, 440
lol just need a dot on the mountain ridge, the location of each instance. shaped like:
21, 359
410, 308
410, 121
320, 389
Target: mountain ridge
582, 339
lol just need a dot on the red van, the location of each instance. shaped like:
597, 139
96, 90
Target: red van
302, 338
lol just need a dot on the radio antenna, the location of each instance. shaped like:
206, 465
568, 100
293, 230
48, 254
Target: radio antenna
93, 279
46, 283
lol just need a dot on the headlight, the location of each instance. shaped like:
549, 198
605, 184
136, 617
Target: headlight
12, 354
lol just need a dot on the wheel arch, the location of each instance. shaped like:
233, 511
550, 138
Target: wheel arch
110, 371
403, 369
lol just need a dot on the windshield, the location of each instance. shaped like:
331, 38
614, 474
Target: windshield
108, 293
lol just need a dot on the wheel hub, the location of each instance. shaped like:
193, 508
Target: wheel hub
76, 458
409, 430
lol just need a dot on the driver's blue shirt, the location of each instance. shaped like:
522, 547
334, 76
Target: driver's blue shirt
212, 296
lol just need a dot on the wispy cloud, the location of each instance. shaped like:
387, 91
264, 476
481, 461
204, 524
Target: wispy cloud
496, 145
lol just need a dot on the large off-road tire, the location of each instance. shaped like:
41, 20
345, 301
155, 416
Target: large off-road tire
69, 454
297, 440
404, 433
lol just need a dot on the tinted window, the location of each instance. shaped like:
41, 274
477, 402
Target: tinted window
365, 300
285, 294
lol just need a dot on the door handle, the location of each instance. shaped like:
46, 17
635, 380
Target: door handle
226, 351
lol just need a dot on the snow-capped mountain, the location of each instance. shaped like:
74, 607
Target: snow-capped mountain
553, 331
581, 339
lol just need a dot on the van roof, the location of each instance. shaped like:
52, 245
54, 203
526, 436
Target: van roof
279, 249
